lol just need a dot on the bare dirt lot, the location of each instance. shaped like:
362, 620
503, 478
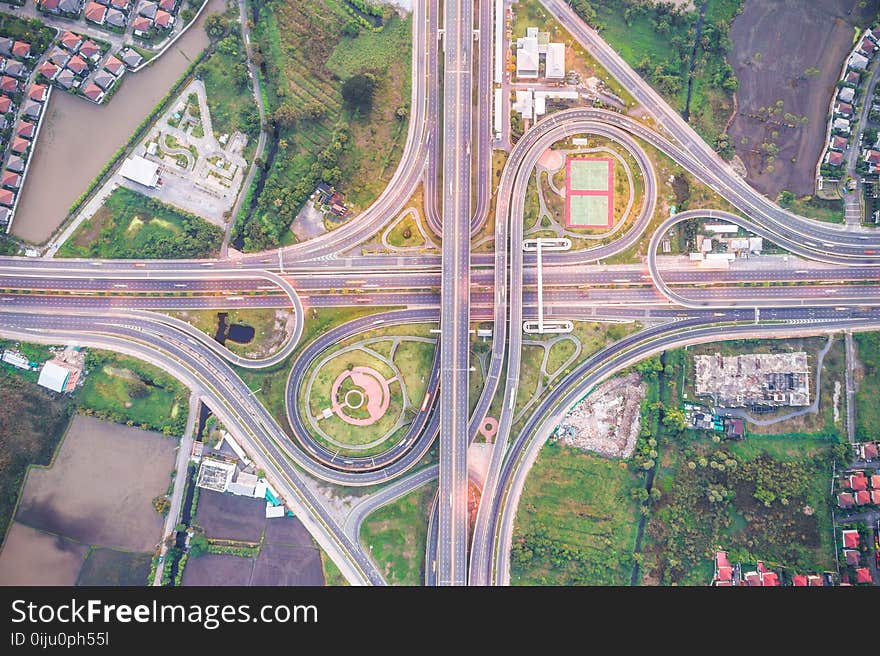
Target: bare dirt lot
775, 43
32, 557
218, 569
288, 555
100, 488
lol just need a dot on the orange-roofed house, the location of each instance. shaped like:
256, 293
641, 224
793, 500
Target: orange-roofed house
96, 13
7, 197
845, 500
875, 497
850, 539
863, 575
858, 482
19, 145
21, 49
875, 481
38, 92
48, 70
799, 580
10, 179
863, 498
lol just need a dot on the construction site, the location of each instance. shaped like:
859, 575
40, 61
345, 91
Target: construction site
607, 421
754, 380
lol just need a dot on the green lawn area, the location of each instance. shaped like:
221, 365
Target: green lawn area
332, 575
414, 360
396, 535
131, 225
559, 353
310, 51
123, 389
228, 89
577, 521
818, 208
867, 408
267, 339
33, 422
589, 175
406, 233
589, 211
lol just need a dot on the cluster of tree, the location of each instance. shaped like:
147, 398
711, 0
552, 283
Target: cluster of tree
358, 91
217, 26
536, 549
785, 199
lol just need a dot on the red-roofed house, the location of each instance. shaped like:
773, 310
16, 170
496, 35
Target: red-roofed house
140, 25
10, 179
48, 70
851, 556
70, 41
863, 498
850, 539
723, 570
5, 104
799, 580
90, 50
26, 130
163, 20
845, 500
78, 65
8, 84
815, 581
875, 481
96, 13
19, 145
115, 66
868, 47
835, 158
875, 497
768, 578
852, 77
863, 575
21, 49
38, 92
752, 578
93, 92
844, 109
860, 481
167, 5
838, 143
870, 450
7, 197
50, 5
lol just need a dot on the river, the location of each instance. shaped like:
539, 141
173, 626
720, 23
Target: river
78, 137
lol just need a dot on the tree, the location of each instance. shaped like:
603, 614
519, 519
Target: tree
198, 545
351, 29
785, 199
358, 91
675, 419
216, 26
285, 115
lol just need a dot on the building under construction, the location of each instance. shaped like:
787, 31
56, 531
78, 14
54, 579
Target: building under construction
756, 380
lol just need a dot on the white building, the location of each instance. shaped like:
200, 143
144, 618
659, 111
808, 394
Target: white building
847, 94
527, 57
858, 62
524, 104
54, 377
16, 359
140, 170
555, 61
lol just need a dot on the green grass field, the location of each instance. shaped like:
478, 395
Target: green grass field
867, 407
589, 211
589, 175
124, 389
131, 225
395, 536
576, 523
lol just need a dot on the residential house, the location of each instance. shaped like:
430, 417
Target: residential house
852, 77
850, 538
163, 20
104, 79
71, 6
846, 94
96, 13
131, 58
21, 49
51, 6
875, 481
121, 5
858, 62
868, 48
4, 218
15, 164
90, 50
5, 46
31, 109
7, 197
834, 158
851, 556
863, 575
8, 85
875, 497
16, 69
78, 65
841, 125
168, 5
863, 498
148, 10
93, 92
723, 571
870, 450
844, 109
768, 578
845, 500
141, 25
799, 580
6, 104
38, 92
59, 56
859, 481
114, 66
70, 41
10, 179
26, 130
115, 18
838, 143
65, 79
48, 70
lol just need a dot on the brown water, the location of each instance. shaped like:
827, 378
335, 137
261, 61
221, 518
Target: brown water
78, 137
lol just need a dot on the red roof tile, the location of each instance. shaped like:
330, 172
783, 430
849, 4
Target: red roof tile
875, 497
89, 48
863, 575
10, 179
845, 500
95, 12
48, 69
870, 450
799, 580
6, 197
70, 40
26, 129
863, 497
875, 481
835, 158
5, 104
21, 49
851, 539
92, 91
37, 92
8, 83
860, 482
163, 19
815, 581
19, 145
140, 24
77, 64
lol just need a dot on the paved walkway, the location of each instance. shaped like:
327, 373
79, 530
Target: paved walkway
850, 388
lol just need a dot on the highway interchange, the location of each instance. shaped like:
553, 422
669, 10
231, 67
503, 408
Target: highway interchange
113, 304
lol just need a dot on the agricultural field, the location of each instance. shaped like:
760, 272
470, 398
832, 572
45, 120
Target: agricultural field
867, 408
396, 535
131, 225
310, 52
30, 428
576, 523
123, 389
68, 526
